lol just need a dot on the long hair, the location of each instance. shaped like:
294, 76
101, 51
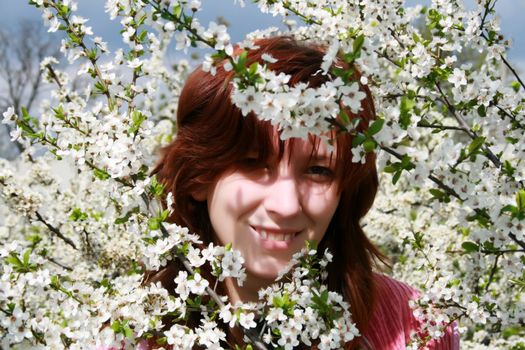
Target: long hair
213, 135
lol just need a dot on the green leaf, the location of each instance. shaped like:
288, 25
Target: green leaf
59, 112
142, 36
25, 115
77, 215
344, 117
241, 61
520, 200
358, 45
406, 163
476, 144
396, 177
508, 169
482, 217
13, 259
405, 111
154, 223
34, 239
115, 326
470, 247
390, 169
358, 139
440, 195
482, 111
92, 54
136, 118
156, 188
100, 88
142, 19
253, 68
419, 242
277, 301
63, 10
128, 332
489, 246
55, 282
125, 218
101, 174
177, 11
27, 253
376, 126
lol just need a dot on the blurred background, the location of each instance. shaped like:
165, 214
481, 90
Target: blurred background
24, 42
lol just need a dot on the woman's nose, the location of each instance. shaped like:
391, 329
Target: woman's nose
283, 198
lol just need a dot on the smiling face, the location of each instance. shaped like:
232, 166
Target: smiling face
268, 209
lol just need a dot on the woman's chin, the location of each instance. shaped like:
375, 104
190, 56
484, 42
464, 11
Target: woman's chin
266, 272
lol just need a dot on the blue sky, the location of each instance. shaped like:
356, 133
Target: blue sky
246, 20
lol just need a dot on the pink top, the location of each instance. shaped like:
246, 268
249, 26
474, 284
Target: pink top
393, 319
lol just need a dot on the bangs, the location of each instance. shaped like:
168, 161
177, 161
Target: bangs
265, 143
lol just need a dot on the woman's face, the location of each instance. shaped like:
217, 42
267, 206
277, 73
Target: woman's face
268, 210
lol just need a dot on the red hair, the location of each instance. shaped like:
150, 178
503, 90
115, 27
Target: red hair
213, 135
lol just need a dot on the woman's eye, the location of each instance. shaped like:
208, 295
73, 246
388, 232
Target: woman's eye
320, 171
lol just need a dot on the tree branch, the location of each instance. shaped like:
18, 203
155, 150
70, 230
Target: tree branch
492, 272
488, 153
55, 231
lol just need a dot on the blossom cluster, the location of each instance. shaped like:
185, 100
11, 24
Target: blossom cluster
450, 148
298, 305
299, 110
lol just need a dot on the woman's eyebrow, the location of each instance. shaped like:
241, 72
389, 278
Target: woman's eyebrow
322, 157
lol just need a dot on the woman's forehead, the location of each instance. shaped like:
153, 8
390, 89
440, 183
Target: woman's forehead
313, 147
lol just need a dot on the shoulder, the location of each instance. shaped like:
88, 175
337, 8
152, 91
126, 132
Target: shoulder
393, 321
393, 292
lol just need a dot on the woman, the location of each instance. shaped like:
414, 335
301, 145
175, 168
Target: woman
234, 181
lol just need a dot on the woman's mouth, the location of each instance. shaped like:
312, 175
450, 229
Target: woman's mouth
275, 239
276, 236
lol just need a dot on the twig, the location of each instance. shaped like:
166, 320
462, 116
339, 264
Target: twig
488, 153
485, 15
489, 252
391, 151
58, 264
71, 29
508, 114
55, 231
447, 189
492, 272
452, 110
57, 81
441, 127
516, 75
507, 64
515, 239
484, 36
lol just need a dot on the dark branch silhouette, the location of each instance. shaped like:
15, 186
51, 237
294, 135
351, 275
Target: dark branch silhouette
21, 50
